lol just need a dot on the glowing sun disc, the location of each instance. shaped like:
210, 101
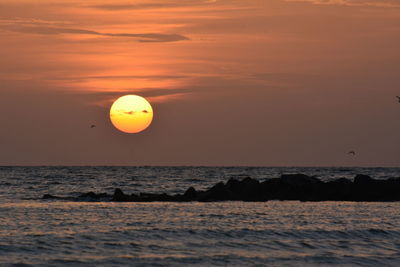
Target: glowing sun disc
131, 114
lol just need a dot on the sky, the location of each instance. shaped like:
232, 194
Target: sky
231, 82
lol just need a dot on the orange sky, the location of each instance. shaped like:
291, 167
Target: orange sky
255, 82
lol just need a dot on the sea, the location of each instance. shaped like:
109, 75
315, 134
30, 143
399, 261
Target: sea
37, 232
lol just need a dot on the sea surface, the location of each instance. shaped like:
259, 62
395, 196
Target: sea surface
232, 233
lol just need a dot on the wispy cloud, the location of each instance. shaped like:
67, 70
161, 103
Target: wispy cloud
33, 28
154, 5
372, 3
132, 112
120, 77
105, 98
146, 92
33, 21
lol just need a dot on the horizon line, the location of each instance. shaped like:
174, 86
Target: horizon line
197, 166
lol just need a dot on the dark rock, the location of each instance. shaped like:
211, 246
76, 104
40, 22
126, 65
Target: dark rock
248, 189
299, 179
288, 187
250, 183
341, 181
368, 189
216, 193
274, 189
234, 185
48, 196
293, 187
91, 196
120, 196
148, 197
190, 194
339, 189
363, 179
394, 179
365, 188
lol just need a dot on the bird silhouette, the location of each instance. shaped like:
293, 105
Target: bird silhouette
398, 98
92, 126
352, 153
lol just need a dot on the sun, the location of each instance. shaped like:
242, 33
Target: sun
131, 114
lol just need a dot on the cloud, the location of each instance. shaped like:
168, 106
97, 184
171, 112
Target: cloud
34, 21
118, 7
372, 3
104, 98
120, 77
49, 30
145, 92
45, 30
150, 37
128, 112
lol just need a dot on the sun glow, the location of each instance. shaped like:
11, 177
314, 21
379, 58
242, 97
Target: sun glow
131, 114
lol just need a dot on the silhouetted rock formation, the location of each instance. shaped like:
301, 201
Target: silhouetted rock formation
48, 196
288, 187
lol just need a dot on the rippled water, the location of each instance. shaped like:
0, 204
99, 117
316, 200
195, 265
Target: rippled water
38, 232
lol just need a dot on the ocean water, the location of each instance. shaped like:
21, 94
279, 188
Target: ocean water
53, 232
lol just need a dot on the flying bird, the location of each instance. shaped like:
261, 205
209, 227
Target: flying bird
92, 126
352, 153
398, 98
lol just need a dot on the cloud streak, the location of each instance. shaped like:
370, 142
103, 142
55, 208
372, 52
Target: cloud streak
146, 92
121, 77
140, 37
365, 3
156, 5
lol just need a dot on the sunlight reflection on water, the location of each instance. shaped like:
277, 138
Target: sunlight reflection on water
200, 233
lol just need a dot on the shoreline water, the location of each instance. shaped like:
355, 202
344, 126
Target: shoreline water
235, 233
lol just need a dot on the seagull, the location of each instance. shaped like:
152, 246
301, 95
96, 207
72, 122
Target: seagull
352, 153
398, 98
92, 126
